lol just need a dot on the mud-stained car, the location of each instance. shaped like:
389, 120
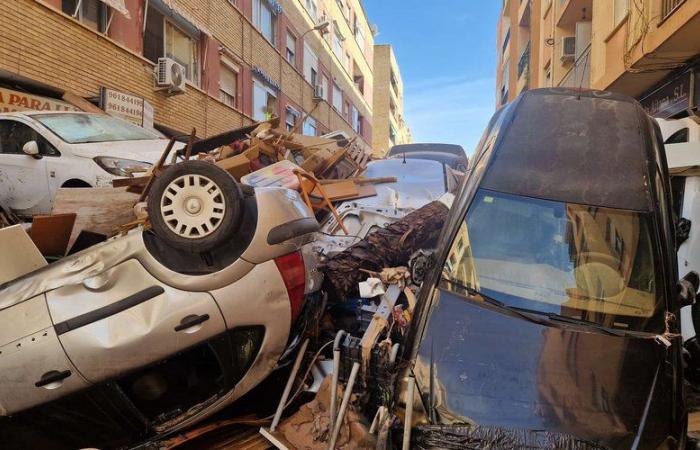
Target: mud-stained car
550, 317
152, 331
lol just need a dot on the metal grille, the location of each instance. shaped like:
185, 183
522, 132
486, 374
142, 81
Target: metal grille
668, 7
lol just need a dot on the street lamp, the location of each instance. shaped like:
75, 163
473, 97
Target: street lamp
322, 27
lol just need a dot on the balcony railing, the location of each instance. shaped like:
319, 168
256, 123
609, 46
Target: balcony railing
524, 62
668, 7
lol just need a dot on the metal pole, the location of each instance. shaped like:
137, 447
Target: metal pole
409, 414
288, 387
344, 405
336, 368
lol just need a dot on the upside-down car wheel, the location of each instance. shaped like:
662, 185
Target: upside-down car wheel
195, 206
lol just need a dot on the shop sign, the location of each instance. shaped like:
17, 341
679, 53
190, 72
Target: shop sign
257, 71
11, 101
126, 106
671, 98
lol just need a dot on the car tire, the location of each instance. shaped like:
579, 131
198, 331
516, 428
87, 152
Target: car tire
195, 206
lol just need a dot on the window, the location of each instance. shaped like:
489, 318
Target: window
312, 9
678, 137
337, 98
264, 19
264, 102
228, 83
164, 39
392, 134
355, 119
92, 13
310, 65
620, 8
360, 36
86, 128
291, 48
324, 85
337, 42
13, 136
555, 257
291, 118
310, 126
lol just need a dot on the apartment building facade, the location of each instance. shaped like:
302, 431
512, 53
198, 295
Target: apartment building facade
390, 127
243, 60
648, 49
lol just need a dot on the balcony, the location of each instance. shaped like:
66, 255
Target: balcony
571, 11
524, 13
579, 76
668, 7
524, 61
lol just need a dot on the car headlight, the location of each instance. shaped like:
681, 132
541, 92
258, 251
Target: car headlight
122, 167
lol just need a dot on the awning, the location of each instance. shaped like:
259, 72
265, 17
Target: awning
118, 5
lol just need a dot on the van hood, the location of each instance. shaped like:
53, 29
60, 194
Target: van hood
144, 150
494, 371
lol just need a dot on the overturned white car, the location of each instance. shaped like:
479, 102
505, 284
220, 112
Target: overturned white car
149, 332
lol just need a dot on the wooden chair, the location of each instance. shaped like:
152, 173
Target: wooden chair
308, 183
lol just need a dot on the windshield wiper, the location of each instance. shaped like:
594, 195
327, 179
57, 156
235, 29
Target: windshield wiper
527, 314
476, 294
585, 323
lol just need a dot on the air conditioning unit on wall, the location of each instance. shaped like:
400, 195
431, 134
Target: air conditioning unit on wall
170, 76
319, 92
568, 48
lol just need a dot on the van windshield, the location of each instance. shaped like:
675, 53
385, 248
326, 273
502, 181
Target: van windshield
87, 128
585, 262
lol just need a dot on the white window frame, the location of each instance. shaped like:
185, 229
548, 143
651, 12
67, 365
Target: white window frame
312, 9
338, 39
103, 9
337, 100
194, 50
291, 112
270, 91
310, 65
257, 19
293, 49
310, 123
229, 65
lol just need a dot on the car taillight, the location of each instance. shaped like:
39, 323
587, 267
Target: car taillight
291, 267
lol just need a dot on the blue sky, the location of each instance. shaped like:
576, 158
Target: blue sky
447, 54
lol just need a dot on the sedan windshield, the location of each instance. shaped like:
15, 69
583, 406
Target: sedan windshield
85, 128
591, 263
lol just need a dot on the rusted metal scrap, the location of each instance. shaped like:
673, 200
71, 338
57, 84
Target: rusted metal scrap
388, 247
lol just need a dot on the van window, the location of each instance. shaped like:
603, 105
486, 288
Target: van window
585, 262
678, 137
13, 136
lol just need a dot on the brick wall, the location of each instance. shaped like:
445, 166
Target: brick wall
40, 42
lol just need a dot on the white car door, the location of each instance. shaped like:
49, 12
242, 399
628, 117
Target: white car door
24, 185
126, 319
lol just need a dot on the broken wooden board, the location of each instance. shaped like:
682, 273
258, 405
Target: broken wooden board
51, 233
100, 210
18, 254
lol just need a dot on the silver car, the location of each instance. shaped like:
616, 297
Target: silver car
147, 333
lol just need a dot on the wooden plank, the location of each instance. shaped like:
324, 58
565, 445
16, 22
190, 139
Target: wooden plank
694, 421
100, 210
18, 254
52, 233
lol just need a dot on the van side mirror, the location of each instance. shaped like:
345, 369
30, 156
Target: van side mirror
688, 288
31, 148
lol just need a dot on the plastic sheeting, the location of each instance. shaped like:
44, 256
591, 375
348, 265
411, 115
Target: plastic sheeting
490, 438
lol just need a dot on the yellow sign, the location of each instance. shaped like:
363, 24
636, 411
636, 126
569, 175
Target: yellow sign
11, 101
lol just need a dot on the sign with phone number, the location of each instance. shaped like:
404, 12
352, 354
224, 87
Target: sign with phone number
126, 106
